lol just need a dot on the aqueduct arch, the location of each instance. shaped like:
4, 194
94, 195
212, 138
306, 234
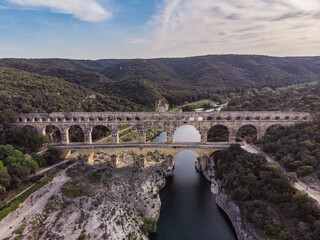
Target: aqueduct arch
194, 134
76, 133
247, 130
271, 127
169, 121
53, 132
100, 133
218, 133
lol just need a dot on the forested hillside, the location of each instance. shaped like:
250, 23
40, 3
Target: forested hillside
29, 92
301, 97
266, 197
177, 79
205, 75
137, 90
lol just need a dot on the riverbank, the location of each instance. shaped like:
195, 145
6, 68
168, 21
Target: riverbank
98, 202
243, 229
271, 208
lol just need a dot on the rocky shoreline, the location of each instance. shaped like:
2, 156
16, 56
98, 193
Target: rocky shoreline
243, 229
93, 202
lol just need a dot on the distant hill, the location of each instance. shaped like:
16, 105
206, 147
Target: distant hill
202, 76
84, 73
176, 79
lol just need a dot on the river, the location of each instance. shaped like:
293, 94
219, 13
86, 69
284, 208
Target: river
188, 209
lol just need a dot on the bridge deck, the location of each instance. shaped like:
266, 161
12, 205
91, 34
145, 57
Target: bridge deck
142, 145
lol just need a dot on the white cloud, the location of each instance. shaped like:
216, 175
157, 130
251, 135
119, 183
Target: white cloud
137, 41
85, 10
274, 27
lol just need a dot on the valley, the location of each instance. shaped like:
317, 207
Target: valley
105, 196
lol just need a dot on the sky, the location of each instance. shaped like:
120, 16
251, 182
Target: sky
99, 29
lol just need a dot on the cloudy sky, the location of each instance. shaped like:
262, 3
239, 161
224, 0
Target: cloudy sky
94, 29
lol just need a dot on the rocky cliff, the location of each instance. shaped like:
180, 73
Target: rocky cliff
243, 229
92, 202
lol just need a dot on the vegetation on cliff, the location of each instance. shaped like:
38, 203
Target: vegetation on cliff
266, 197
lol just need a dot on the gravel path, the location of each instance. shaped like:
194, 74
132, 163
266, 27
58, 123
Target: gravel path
53, 166
34, 204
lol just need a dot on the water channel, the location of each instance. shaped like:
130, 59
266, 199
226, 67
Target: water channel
188, 209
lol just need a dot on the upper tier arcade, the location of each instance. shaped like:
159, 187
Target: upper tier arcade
169, 121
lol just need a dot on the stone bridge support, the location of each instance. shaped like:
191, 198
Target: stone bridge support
204, 135
90, 158
115, 135
88, 135
169, 135
170, 160
143, 136
261, 131
203, 162
64, 135
115, 160
142, 161
232, 135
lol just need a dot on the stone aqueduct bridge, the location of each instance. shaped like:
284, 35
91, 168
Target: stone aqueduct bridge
142, 150
169, 121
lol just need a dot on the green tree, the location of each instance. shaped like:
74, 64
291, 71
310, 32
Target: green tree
4, 176
33, 166
52, 155
7, 116
6, 151
3, 193
15, 160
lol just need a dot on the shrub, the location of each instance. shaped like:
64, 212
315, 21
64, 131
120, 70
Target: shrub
149, 224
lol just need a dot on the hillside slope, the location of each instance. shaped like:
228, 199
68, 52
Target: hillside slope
178, 79
301, 97
198, 77
137, 90
30, 92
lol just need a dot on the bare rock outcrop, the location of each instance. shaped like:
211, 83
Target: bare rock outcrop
93, 202
162, 105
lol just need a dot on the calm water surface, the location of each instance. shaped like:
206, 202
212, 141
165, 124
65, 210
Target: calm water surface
188, 209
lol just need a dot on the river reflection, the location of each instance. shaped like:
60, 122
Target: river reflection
188, 209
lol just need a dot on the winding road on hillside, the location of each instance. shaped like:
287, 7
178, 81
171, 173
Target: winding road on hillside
298, 185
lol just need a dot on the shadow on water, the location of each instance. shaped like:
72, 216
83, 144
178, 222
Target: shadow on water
188, 209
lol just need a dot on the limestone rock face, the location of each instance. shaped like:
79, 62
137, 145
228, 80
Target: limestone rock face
169, 172
244, 230
162, 106
95, 201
